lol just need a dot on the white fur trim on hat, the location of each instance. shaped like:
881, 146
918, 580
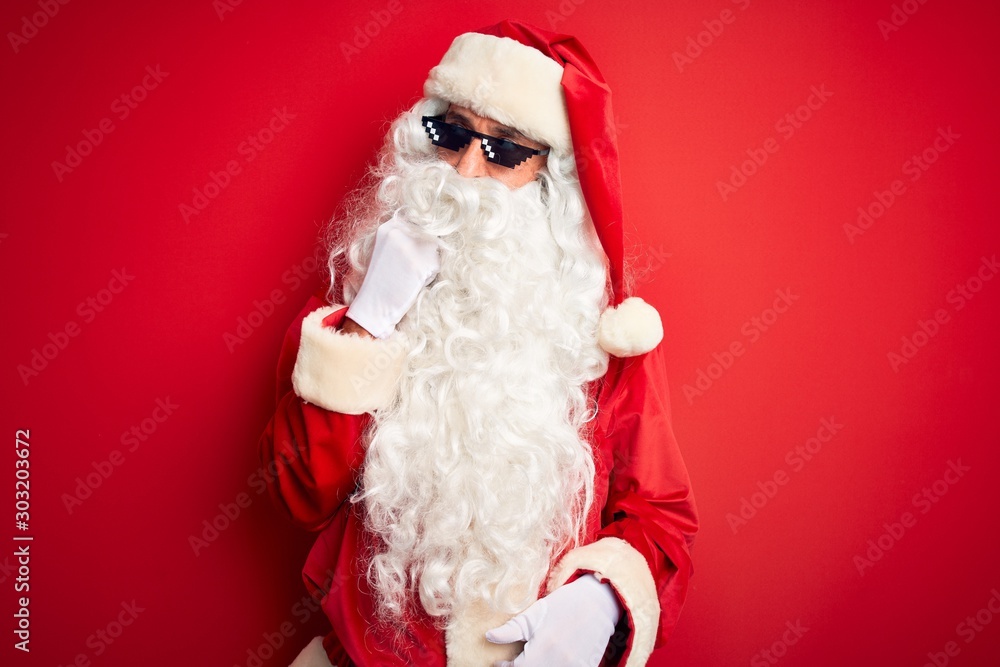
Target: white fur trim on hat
510, 82
615, 561
630, 329
344, 372
313, 655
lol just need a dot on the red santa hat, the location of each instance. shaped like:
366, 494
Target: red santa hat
547, 86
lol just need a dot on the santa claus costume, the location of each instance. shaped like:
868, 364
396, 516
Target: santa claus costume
511, 434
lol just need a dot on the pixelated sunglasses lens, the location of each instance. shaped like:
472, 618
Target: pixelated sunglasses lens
445, 135
504, 152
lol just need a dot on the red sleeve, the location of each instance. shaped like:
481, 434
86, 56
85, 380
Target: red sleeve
311, 454
650, 503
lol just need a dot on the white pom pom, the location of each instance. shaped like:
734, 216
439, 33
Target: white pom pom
630, 329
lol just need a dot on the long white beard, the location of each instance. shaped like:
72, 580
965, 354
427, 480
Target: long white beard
480, 473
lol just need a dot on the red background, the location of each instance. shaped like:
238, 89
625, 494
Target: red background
708, 264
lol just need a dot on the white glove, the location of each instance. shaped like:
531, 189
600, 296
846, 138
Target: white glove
570, 626
403, 263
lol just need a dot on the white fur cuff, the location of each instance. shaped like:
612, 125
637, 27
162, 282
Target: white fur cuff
630, 329
614, 560
343, 372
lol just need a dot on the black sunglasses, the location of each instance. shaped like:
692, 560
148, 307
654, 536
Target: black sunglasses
496, 149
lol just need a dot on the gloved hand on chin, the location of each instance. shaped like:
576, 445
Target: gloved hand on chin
403, 262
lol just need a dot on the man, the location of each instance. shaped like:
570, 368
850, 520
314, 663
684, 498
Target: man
483, 436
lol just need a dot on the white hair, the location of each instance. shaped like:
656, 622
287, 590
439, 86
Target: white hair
480, 472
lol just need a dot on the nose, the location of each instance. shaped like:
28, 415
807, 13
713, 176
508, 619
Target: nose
471, 160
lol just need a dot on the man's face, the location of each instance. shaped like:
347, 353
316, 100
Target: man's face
472, 163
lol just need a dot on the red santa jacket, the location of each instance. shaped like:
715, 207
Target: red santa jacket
639, 532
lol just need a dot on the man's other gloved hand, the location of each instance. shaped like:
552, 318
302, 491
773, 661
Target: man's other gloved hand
570, 626
403, 263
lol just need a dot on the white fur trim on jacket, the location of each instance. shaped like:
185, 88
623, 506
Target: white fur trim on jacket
614, 560
344, 372
313, 655
630, 329
510, 82
465, 638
